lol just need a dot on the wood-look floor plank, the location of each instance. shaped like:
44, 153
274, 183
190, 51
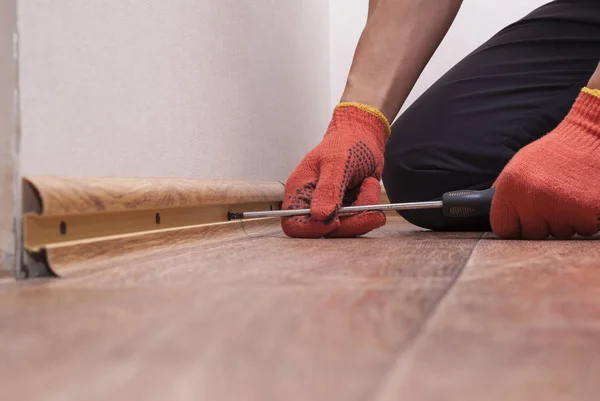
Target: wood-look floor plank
521, 323
259, 318
396, 254
226, 343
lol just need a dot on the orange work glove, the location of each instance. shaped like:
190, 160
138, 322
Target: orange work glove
552, 186
344, 169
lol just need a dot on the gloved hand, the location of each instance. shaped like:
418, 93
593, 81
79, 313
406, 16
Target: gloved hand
344, 169
552, 186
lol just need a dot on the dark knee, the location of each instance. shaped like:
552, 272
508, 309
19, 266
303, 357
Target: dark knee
404, 185
406, 182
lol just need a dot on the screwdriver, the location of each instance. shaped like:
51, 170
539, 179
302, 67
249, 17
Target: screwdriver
461, 203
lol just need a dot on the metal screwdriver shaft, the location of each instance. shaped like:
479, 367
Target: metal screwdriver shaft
464, 203
343, 210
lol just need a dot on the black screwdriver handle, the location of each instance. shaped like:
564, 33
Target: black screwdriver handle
468, 203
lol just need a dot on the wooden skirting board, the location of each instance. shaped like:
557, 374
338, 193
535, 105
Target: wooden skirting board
68, 220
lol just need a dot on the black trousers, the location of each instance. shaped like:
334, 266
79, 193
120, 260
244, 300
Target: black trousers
509, 92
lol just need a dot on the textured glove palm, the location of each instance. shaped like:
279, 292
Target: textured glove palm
344, 169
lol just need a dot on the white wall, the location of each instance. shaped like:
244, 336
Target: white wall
346, 21
476, 22
8, 135
205, 88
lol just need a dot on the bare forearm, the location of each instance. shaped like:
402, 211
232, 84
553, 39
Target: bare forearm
396, 44
594, 82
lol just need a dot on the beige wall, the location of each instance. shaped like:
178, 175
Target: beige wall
7, 135
205, 88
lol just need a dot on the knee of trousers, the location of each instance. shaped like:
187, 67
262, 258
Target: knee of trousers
406, 183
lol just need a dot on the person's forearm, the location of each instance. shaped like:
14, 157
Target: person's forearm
399, 39
594, 82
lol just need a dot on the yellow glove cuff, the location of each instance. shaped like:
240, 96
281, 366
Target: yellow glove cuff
373, 111
593, 92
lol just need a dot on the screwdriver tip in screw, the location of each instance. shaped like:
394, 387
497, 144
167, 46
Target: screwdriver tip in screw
234, 216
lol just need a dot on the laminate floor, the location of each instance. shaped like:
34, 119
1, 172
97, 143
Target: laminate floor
400, 314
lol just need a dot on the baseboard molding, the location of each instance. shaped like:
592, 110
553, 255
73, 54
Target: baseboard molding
73, 219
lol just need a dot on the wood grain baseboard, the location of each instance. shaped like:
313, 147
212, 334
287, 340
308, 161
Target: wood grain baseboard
67, 219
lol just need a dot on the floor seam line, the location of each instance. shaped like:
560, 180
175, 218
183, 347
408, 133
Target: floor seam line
415, 334
244, 228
